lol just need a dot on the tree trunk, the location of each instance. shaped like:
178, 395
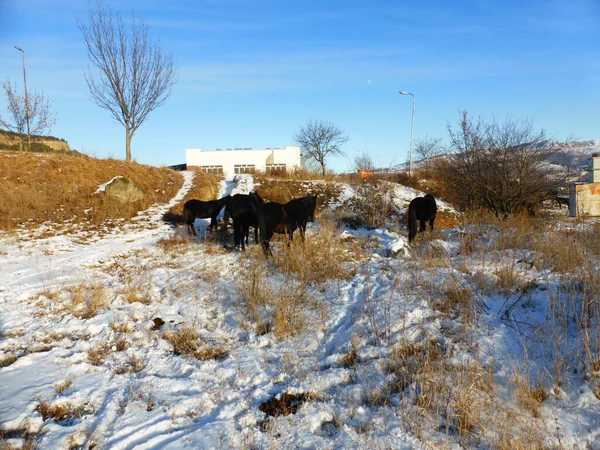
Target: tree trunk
128, 136
323, 169
20, 142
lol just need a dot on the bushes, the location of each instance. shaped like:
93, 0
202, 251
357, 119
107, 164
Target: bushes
499, 166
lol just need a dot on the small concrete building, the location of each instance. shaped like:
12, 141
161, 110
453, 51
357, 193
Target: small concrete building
584, 198
234, 161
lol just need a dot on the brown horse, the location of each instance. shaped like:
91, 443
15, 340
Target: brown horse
196, 209
422, 209
285, 219
243, 210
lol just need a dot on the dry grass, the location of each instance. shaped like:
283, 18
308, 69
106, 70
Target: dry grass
86, 300
133, 364
174, 245
373, 203
60, 188
320, 258
530, 394
282, 191
137, 293
456, 298
63, 386
205, 187
508, 279
7, 359
97, 355
122, 327
186, 341
279, 308
61, 411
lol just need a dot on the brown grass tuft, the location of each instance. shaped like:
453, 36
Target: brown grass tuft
186, 341
280, 309
63, 386
87, 300
7, 359
60, 411
530, 394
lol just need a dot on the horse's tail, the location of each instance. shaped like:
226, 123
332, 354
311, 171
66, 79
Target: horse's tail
412, 221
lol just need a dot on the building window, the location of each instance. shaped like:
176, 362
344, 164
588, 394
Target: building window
276, 169
216, 170
243, 168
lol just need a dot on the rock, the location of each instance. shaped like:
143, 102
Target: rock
124, 189
158, 323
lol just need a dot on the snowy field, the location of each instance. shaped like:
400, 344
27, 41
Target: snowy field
406, 349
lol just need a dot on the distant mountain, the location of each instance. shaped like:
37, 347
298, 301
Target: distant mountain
574, 157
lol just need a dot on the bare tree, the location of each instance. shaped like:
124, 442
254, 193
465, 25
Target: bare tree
427, 148
35, 106
134, 75
364, 161
501, 166
318, 139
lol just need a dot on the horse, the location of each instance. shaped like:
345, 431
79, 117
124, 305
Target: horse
422, 209
243, 210
280, 218
196, 209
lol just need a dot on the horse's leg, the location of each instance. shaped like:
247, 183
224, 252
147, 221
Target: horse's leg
213, 223
302, 230
236, 233
266, 244
246, 232
422, 225
192, 227
431, 222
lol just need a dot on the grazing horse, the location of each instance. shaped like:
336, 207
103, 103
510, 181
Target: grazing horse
243, 210
277, 218
196, 209
422, 209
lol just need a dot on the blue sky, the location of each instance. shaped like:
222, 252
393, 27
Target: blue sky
252, 72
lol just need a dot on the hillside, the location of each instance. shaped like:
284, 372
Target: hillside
60, 189
480, 336
10, 141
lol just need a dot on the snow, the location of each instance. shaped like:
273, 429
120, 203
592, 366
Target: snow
175, 401
102, 187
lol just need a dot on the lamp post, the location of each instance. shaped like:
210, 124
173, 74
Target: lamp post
26, 97
412, 125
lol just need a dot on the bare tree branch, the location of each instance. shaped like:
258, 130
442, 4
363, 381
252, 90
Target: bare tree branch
133, 75
36, 107
364, 161
501, 166
318, 139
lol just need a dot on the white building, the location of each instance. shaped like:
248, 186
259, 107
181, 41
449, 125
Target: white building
233, 161
584, 198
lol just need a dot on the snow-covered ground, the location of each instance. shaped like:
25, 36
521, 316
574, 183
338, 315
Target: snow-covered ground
81, 341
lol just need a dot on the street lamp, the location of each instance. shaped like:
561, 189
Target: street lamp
412, 125
26, 97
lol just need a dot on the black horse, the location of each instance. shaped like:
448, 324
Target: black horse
285, 219
243, 210
422, 209
196, 209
